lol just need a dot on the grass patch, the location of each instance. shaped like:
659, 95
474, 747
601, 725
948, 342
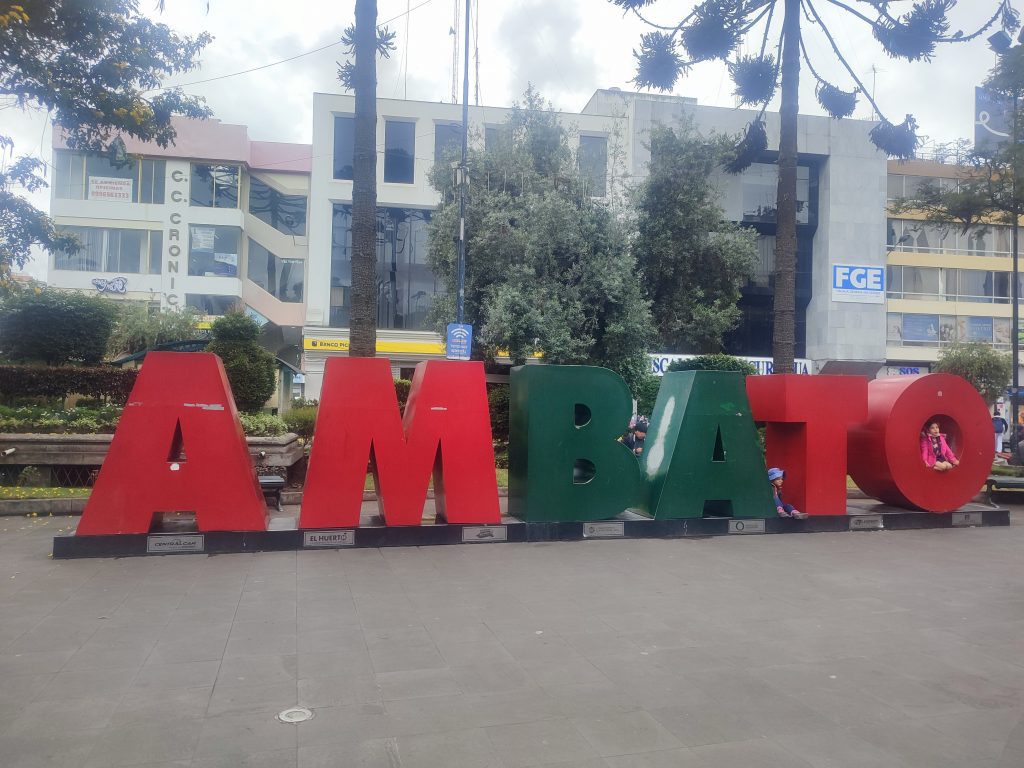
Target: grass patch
10, 492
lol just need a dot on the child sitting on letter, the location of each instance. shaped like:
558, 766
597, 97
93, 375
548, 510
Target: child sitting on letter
775, 477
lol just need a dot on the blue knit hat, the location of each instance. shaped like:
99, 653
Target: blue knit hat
775, 473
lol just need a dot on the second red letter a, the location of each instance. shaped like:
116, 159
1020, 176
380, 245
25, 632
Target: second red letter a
445, 433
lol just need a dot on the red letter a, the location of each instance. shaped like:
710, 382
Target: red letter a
446, 427
178, 447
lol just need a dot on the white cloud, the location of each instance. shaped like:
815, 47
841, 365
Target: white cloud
566, 48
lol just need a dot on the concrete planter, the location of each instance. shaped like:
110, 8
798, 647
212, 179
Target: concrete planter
42, 507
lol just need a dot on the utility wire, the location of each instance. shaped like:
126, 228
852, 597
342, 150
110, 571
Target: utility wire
281, 61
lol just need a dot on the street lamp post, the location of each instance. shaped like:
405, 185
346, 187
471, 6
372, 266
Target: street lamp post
463, 179
1001, 43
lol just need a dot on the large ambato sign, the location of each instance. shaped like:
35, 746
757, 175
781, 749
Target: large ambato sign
180, 447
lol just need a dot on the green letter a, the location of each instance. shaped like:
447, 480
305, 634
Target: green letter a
702, 453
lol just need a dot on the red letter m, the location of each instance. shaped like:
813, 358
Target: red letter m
446, 432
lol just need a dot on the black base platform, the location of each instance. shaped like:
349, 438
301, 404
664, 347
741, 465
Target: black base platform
510, 530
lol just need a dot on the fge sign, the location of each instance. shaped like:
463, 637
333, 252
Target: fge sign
852, 282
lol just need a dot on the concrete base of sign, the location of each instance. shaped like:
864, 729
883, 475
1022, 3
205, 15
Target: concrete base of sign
284, 536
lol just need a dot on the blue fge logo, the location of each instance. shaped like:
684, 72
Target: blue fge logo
851, 282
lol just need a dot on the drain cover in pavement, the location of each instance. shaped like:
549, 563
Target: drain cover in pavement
295, 715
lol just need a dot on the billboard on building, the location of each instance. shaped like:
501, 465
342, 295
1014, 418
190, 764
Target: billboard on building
858, 283
993, 120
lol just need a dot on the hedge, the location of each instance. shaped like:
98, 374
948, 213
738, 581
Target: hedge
113, 385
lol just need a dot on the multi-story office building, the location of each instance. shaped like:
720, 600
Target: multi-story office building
213, 221
218, 219
944, 284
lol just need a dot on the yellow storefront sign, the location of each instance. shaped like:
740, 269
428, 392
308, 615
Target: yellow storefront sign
389, 347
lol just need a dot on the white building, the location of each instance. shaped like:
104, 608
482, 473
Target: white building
213, 221
219, 219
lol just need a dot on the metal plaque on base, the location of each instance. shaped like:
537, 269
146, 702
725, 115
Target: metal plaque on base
160, 543
746, 526
328, 539
604, 530
967, 519
477, 534
866, 523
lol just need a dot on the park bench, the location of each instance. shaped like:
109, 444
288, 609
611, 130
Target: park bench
272, 486
1002, 483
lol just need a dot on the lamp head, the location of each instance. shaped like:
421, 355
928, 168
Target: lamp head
1000, 42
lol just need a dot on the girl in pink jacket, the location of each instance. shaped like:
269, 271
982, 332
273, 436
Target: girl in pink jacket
935, 451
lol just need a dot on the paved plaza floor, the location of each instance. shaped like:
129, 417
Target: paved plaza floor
875, 649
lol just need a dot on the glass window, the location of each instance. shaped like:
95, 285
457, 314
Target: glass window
285, 213
922, 283
894, 326
976, 285
105, 182
947, 328
282, 278
495, 137
447, 142
765, 267
344, 146
214, 186
1001, 287
406, 286
894, 280
593, 159
399, 152
1003, 240
69, 175
156, 251
920, 329
912, 185
126, 251
210, 303
894, 186
213, 250
760, 184
980, 241
974, 329
1001, 331
152, 186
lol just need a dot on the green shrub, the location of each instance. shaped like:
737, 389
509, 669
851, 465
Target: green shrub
647, 393
402, 387
715, 363
55, 420
251, 370
302, 402
301, 421
497, 405
262, 424
501, 454
55, 327
42, 381
136, 328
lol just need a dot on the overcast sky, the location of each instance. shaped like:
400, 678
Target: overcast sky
566, 48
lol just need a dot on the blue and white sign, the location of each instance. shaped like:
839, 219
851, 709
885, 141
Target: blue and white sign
660, 362
459, 342
858, 283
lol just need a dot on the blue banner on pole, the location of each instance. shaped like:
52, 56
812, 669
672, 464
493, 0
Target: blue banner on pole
459, 343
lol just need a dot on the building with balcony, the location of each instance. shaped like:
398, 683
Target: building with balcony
214, 221
218, 220
943, 284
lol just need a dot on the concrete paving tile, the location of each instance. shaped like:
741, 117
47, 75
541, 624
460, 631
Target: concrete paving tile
278, 758
488, 651
344, 724
94, 655
625, 733
572, 671
452, 749
236, 737
417, 683
342, 690
540, 743
46, 718
347, 640
673, 758
763, 753
151, 741
255, 638
247, 699
34, 662
985, 733
590, 700
711, 723
918, 745
186, 674
492, 677
161, 705
257, 670
87, 684
366, 753
399, 658
837, 747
